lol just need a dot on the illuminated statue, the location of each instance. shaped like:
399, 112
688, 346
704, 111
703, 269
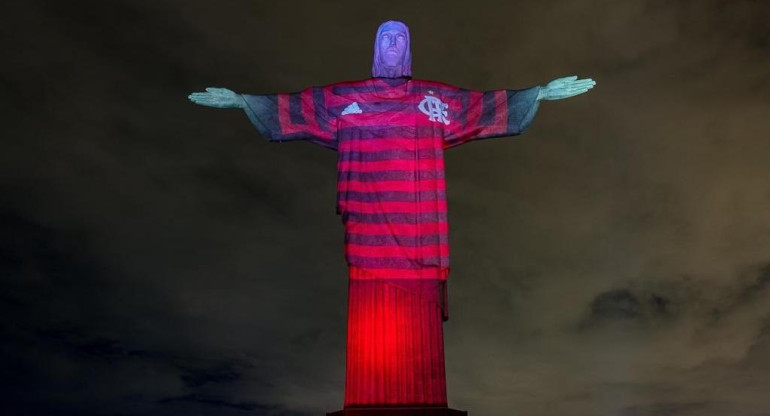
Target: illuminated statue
390, 132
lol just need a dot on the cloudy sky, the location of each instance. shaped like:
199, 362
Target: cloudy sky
160, 258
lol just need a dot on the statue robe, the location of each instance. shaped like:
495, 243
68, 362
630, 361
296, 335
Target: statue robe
390, 135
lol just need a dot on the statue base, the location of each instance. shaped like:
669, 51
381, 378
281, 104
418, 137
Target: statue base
398, 411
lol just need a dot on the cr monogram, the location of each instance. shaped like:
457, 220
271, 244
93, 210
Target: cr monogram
435, 109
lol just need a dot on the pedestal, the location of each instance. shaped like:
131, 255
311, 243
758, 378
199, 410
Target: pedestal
398, 411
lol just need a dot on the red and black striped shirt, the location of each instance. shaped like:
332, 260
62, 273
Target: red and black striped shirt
390, 135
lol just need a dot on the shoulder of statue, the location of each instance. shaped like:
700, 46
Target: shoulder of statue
351, 83
438, 85
346, 87
435, 88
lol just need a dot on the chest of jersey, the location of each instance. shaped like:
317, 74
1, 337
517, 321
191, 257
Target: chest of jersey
391, 188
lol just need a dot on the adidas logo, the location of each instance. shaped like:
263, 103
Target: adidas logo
352, 109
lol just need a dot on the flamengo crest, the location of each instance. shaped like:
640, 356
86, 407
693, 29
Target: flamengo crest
434, 108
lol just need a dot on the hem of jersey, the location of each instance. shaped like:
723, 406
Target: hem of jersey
361, 273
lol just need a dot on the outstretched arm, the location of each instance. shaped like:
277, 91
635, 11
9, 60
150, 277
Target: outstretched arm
279, 117
566, 87
481, 115
218, 97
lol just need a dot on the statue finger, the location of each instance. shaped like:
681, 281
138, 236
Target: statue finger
586, 85
565, 93
578, 88
573, 93
203, 100
581, 84
199, 102
584, 82
578, 92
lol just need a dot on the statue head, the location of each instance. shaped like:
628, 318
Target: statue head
392, 58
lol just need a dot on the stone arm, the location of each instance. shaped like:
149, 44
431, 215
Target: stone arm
218, 98
280, 117
566, 87
477, 115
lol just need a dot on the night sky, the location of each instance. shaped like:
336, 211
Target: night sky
161, 258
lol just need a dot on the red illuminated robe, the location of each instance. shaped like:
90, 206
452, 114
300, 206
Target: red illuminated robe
390, 135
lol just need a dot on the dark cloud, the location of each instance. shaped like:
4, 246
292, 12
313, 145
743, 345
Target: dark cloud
215, 402
669, 409
623, 305
616, 304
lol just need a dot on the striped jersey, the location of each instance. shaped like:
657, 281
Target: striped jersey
390, 135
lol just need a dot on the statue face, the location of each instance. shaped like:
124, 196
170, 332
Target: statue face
393, 44
392, 58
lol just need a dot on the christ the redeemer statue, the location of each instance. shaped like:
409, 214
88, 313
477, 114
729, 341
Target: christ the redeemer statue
390, 132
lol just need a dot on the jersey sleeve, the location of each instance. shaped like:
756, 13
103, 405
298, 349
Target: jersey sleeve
479, 115
301, 115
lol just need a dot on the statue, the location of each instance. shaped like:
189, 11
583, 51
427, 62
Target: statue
390, 132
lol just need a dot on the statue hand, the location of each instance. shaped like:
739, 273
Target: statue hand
218, 97
566, 87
